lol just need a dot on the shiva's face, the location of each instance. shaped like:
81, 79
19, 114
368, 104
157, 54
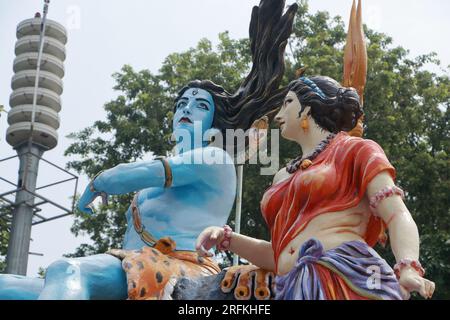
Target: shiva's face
196, 106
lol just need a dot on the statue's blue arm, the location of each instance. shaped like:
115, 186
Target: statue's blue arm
187, 168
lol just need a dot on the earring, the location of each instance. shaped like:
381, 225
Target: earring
305, 124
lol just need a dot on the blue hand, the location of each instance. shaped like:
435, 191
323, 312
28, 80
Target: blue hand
88, 197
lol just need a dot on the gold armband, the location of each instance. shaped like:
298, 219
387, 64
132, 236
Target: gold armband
167, 171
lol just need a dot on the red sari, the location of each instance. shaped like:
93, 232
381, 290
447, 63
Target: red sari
337, 180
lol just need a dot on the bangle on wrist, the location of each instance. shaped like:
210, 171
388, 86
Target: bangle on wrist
415, 264
91, 184
102, 193
224, 245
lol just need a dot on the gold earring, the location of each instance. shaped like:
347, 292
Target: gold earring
304, 124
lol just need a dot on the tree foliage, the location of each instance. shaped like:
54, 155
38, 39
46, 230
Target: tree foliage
5, 226
406, 112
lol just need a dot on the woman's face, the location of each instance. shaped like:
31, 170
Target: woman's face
288, 117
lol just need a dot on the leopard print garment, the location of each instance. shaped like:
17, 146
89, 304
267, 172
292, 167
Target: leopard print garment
153, 271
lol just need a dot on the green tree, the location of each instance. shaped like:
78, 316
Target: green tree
406, 112
5, 225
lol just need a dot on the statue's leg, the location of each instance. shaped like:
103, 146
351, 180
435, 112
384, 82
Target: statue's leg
13, 287
95, 277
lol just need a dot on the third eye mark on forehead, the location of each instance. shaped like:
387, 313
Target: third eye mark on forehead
196, 99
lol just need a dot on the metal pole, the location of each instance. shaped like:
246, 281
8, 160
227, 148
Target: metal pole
240, 174
20, 235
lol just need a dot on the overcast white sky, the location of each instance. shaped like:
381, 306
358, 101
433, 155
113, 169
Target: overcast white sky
106, 34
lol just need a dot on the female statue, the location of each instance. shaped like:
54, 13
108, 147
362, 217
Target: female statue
327, 208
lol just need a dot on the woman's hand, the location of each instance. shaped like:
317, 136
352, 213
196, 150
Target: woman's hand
207, 239
411, 281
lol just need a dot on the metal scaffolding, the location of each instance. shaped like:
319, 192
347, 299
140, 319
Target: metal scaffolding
31, 136
26, 211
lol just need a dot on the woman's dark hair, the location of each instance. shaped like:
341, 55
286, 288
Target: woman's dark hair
259, 94
333, 107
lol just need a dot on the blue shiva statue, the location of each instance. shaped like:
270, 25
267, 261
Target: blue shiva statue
178, 196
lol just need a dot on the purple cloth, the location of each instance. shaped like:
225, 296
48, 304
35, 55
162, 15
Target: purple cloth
354, 261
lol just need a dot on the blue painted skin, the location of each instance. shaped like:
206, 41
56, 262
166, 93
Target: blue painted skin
201, 195
14, 287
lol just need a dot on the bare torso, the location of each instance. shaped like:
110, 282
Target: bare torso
331, 229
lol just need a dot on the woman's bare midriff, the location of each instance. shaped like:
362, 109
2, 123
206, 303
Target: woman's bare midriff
331, 229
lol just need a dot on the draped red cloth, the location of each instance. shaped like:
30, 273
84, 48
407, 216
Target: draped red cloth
335, 288
337, 180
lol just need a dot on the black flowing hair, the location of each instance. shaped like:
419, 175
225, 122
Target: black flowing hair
335, 109
260, 93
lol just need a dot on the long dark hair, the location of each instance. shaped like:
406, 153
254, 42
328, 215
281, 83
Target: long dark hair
333, 107
259, 94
